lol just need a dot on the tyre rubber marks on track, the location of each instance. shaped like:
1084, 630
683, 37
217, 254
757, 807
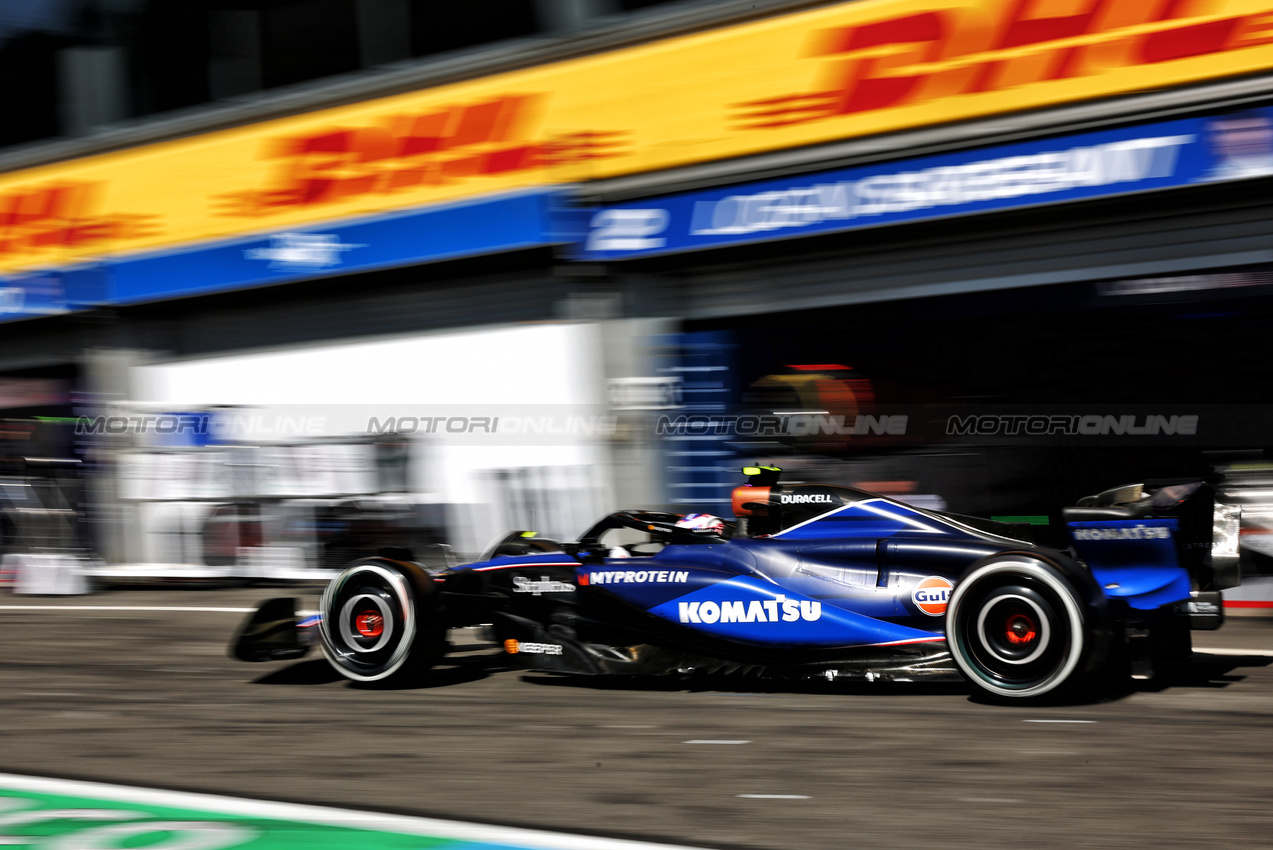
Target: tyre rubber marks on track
748, 796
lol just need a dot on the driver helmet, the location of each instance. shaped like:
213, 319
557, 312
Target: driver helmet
702, 523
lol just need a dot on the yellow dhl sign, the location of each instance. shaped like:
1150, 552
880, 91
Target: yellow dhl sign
849, 70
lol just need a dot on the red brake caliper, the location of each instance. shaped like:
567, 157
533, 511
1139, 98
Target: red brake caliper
1020, 629
370, 624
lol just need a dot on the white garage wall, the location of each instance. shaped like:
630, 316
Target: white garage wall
553, 369
509, 365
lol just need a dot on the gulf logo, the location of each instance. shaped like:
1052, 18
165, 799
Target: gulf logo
930, 595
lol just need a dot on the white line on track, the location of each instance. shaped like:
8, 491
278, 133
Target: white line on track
1058, 721
214, 705
124, 608
774, 796
1047, 752
1207, 650
707, 741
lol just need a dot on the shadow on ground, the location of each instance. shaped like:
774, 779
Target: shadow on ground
454, 670
740, 685
312, 672
1205, 671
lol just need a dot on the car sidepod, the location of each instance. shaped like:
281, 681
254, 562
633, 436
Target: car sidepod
698, 605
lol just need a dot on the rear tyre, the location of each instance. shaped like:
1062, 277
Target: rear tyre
381, 621
1017, 628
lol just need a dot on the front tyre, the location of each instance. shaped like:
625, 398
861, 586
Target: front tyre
1016, 627
381, 621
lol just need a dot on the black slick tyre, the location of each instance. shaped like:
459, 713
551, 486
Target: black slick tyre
381, 621
1019, 629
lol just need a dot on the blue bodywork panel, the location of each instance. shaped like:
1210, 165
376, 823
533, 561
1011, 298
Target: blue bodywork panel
1134, 560
866, 571
751, 610
545, 560
873, 518
817, 584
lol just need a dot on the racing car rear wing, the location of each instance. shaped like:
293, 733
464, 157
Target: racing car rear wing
1203, 533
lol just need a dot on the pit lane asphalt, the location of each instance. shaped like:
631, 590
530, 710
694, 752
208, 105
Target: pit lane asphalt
149, 697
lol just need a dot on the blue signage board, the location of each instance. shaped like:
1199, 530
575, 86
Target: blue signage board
1101, 164
504, 223
32, 296
52, 293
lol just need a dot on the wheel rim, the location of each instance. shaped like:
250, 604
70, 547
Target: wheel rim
369, 622
366, 621
1015, 629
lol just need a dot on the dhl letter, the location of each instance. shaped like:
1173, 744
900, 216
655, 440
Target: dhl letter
871, 82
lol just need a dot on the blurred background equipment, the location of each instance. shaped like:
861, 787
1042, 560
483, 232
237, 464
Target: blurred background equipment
44, 546
275, 512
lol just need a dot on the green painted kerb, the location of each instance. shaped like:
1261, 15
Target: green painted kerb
1022, 520
68, 814
55, 822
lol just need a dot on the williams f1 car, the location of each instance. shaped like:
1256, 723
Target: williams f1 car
807, 581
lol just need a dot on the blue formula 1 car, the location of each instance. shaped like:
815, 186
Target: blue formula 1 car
807, 581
